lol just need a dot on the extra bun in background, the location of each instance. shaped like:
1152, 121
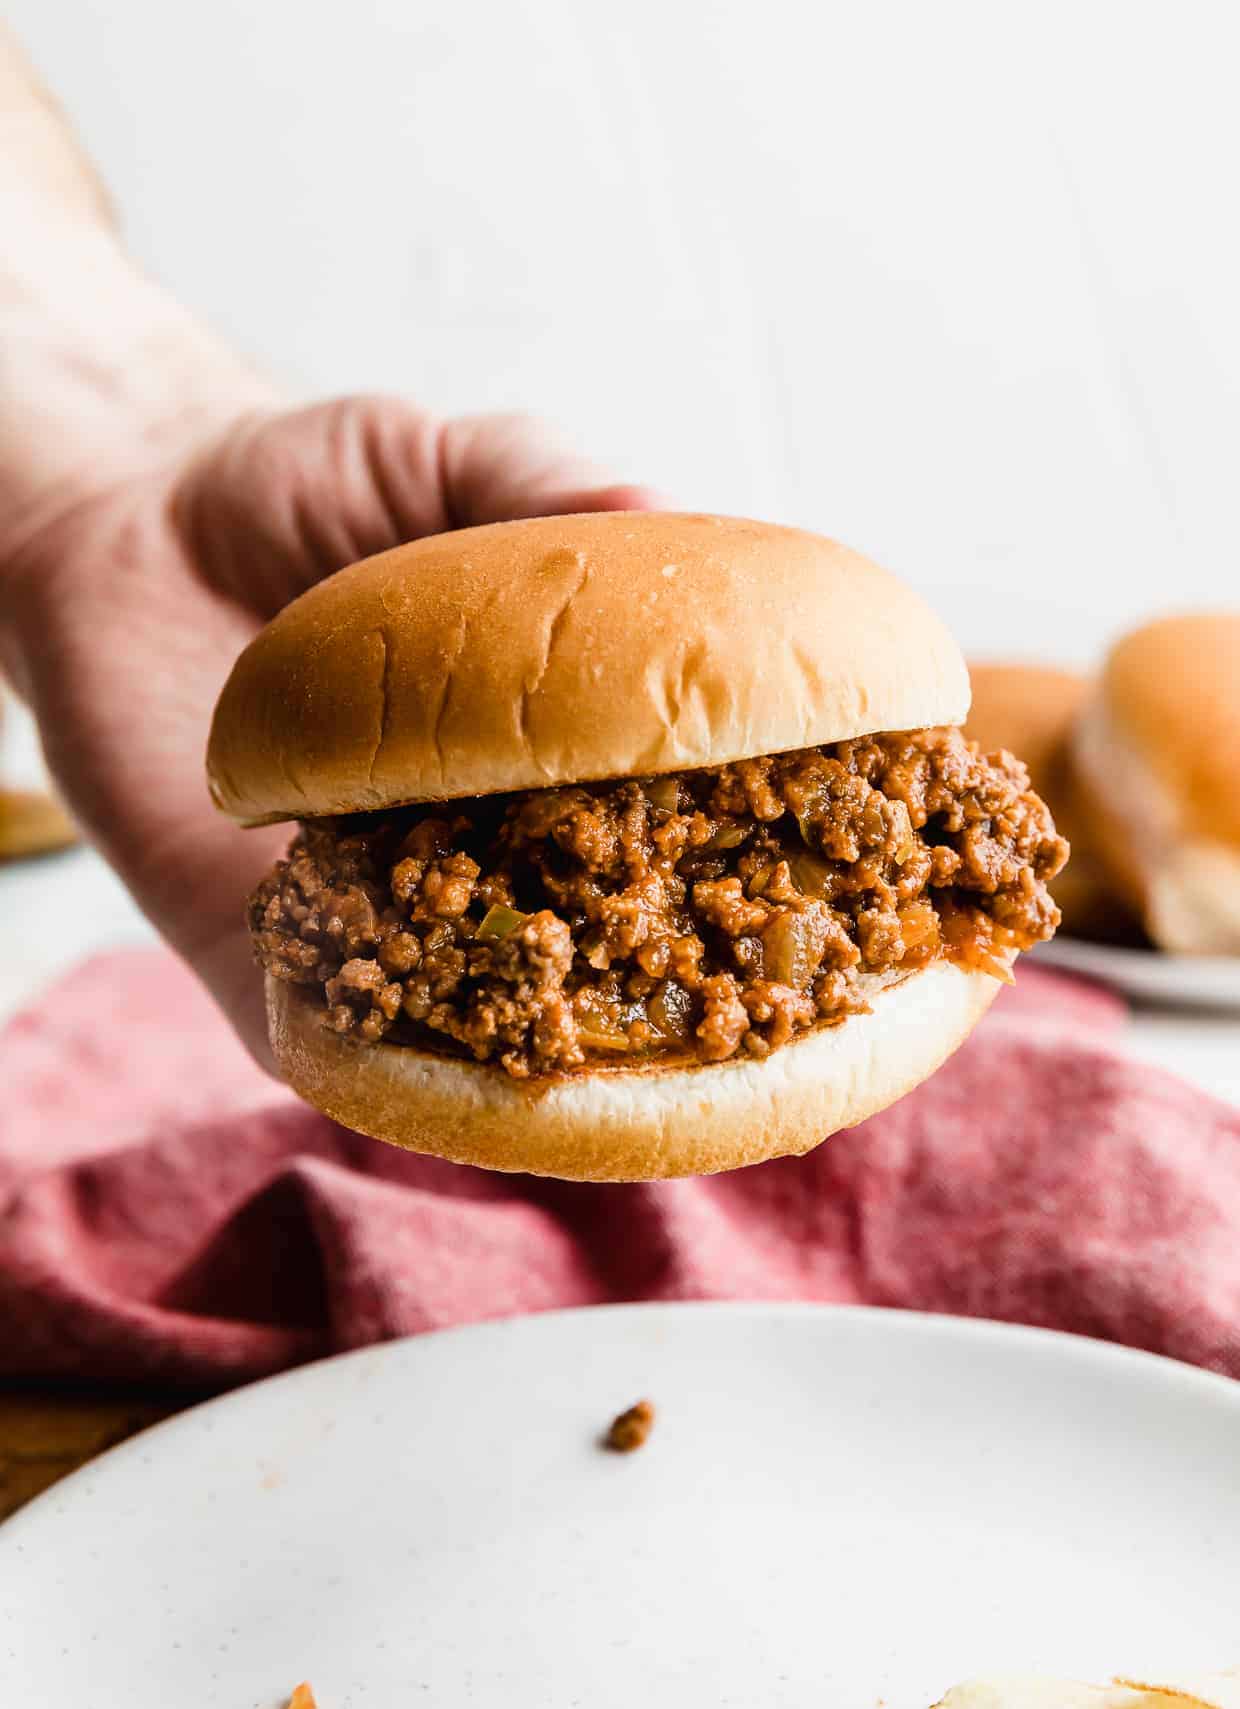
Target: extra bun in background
32, 823
1157, 750
1031, 710
569, 649
635, 1124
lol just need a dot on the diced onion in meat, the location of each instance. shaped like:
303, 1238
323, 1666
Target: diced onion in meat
919, 924
663, 793
669, 1011
792, 946
760, 880
903, 827
811, 811
811, 874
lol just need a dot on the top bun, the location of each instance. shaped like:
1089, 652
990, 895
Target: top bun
567, 649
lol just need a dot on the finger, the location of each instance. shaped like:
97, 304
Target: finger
227, 969
497, 468
283, 501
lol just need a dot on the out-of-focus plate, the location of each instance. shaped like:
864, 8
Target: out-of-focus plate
837, 1507
1191, 981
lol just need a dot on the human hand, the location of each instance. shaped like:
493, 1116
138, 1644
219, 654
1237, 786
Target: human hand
123, 605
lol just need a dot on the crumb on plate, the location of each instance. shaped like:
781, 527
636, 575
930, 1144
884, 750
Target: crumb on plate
631, 1428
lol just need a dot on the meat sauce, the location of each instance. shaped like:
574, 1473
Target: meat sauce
697, 916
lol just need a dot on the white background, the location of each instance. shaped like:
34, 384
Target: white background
957, 283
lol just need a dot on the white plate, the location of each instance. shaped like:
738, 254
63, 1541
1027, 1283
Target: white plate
1194, 981
836, 1507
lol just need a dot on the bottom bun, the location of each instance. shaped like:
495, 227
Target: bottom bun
637, 1124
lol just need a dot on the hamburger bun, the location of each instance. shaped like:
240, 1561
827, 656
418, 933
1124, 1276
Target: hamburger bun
569, 649
32, 823
1030, 710
1157, 750
640, 1124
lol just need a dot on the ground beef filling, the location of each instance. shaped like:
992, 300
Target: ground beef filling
698, 916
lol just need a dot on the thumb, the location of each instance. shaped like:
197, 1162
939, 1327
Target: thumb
497, 468
282, 501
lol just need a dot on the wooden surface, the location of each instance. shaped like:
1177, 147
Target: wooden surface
44, 1437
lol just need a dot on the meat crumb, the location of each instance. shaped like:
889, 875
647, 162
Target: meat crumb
631, 1428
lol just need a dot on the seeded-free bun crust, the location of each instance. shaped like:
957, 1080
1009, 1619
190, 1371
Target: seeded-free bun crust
571, 648
632, 1125
1157, 750
1170, 693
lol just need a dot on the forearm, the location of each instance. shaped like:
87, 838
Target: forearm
37, 145
100, 370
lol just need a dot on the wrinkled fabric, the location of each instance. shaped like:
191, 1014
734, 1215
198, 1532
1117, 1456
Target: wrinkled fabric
170, 1217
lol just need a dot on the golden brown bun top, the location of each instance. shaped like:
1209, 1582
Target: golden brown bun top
563, 649
1170, 693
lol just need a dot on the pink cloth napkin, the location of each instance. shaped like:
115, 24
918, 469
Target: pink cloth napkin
168, 1216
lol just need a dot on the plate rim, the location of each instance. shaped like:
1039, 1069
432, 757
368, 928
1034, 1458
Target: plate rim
1197, 1380
1184, 984
1064, 943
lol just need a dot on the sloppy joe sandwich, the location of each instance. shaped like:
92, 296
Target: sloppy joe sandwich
630, 845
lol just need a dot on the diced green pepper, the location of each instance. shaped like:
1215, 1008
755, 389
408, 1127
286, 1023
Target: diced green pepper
499, 921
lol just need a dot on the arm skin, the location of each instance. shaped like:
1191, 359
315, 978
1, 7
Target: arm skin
158, 504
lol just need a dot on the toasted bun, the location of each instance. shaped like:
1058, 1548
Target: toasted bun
1031, 710
570, 648
634, 1124
1157, 750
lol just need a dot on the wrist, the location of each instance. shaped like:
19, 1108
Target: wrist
102, 374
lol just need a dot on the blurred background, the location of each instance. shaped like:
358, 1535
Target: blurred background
955, 284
